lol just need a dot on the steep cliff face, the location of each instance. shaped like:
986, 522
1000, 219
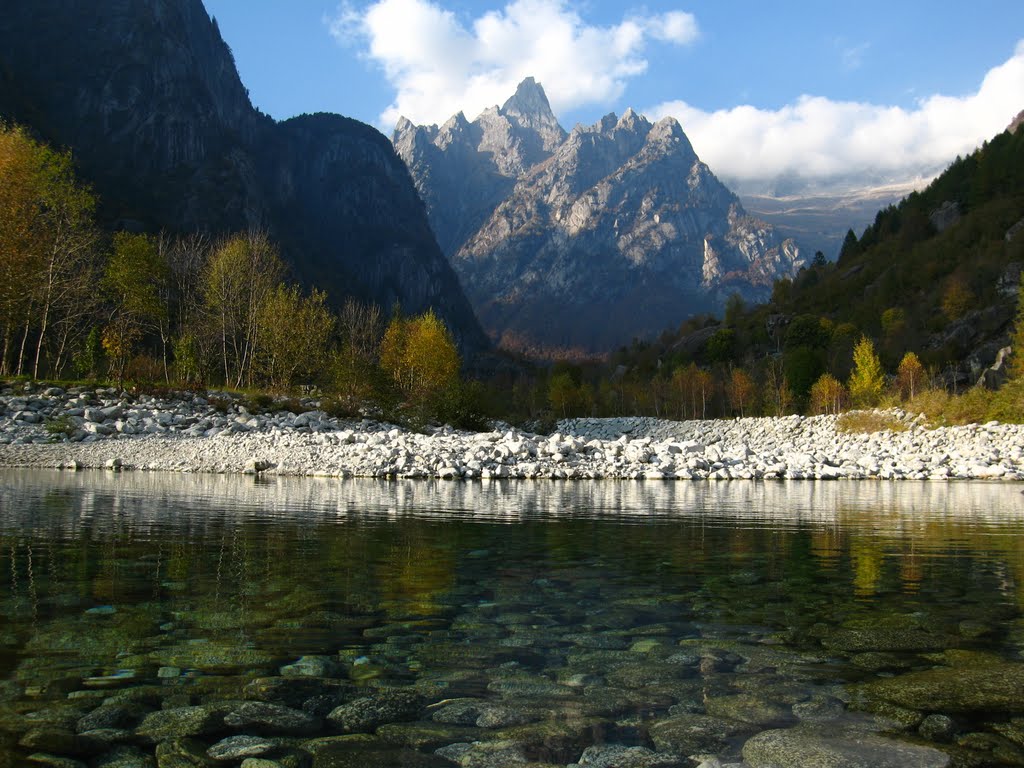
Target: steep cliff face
589, 239
146, 94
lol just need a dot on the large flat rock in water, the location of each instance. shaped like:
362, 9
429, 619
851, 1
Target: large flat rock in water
993, 687
822, 748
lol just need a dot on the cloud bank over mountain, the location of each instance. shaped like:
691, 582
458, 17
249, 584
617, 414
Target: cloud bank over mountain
817, 140
440, 65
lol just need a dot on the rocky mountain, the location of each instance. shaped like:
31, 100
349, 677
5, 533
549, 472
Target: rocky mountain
583, 241
147, 96
1016, 123
820, 220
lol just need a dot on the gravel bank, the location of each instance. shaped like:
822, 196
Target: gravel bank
216, 433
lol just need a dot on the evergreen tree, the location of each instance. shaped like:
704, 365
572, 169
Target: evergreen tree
850, 247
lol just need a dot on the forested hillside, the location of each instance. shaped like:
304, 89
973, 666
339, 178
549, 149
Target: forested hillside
933, 280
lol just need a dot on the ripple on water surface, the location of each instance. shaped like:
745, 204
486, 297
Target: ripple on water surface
349, 622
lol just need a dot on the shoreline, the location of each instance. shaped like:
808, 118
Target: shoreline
105, 428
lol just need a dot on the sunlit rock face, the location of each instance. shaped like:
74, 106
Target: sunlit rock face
585, 240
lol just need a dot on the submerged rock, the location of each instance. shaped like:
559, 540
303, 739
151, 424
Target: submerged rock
691, 733
484, 754
824, 747
262, 717
994, 687
369, 712
621, 756
182, 722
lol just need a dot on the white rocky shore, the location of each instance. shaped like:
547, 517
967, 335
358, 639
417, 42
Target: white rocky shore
86, 428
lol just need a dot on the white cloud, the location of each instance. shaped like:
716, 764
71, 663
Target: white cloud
852, 58
440, 65
673, 27
819, 140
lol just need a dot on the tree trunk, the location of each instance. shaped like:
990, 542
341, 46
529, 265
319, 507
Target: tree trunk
24, 343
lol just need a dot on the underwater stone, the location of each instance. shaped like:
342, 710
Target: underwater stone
125, 757
311, 666
937, 728
822, 746
56, 740
484, 754
235, 747
687, 734
181, 722
994, 687
621, 756
54, 761
747, 708
272, 718
113, 716
369, 712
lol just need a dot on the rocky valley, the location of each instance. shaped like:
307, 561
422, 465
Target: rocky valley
584, 240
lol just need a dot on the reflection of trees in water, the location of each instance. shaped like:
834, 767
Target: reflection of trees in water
280, 546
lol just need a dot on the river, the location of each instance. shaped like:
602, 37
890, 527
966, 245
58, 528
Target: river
373, 623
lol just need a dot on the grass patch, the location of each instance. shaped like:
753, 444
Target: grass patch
975, 406
61, 426
865, 422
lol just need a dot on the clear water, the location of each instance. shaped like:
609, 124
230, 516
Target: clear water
594, 611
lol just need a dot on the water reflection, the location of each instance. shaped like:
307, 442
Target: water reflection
199, 584
139, 498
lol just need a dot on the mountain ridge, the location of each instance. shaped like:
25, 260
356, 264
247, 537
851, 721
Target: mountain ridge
148, 98
583, 240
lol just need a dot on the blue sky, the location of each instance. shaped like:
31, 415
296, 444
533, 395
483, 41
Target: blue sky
876, 91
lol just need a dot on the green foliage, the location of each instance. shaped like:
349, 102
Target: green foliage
89, 359
867, 380
733, 310
62, 426
132, 279
294, 336
910, 376
828, 395
894, 321
192, 365
49, 255
422, 361
975, 406
806, 331
850, 247
1017, 340
239, 277
802, 367
562, 394
957, 299
133, 276
722, 345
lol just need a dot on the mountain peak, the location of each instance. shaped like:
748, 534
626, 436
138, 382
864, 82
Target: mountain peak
528, 100
630, 120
